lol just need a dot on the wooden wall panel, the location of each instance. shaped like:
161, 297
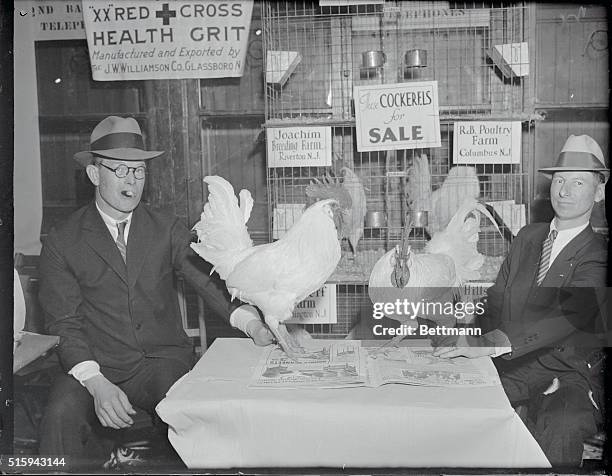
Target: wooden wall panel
76, 93
235, 150
172, 126
572, 55
244, 94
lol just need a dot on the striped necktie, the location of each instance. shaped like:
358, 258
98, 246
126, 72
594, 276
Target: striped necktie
545, 256
121, 239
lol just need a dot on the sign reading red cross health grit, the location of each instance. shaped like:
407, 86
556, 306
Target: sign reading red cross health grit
131, 40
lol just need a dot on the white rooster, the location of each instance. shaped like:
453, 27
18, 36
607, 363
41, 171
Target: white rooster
449, 260
274, 276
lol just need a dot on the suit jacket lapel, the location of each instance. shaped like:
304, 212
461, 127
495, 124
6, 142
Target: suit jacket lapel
560, 267
100, 241
531, 262
139, 241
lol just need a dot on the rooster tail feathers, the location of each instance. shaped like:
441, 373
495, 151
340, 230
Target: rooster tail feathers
353, 225
459, 239
222, 231
462, 223
419, 184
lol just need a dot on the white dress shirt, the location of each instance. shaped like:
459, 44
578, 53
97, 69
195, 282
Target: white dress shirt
563, 238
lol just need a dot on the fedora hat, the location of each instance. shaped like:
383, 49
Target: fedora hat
579, 153
116, 138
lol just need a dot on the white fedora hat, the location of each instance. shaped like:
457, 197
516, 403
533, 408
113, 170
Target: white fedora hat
579, 153
116, 138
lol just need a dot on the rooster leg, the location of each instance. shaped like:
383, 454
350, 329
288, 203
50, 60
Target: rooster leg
285, 340
299, 336
303, 341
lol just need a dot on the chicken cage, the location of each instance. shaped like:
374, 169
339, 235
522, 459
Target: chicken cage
317, 54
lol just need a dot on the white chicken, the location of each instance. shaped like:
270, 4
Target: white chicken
460, 182
449, 260
274, 276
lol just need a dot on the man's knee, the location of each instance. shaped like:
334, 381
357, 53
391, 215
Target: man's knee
565, 419
69, 401
565, 411
68, 418
149, 387
168, 372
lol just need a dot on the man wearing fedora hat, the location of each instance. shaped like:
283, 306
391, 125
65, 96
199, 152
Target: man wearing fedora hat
543, 311
107, 289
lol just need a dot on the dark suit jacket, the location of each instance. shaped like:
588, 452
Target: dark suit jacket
117, 314
558, 322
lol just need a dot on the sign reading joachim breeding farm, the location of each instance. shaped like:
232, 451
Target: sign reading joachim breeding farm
148, 39
397, 116
299, 146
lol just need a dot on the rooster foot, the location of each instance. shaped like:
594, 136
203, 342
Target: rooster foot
292, 340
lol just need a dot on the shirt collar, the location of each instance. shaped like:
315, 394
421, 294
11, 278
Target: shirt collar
110, 221
569, 233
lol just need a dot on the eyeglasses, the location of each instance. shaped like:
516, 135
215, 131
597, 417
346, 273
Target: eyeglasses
123, 170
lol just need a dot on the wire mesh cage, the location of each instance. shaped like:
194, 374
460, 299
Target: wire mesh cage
316, 55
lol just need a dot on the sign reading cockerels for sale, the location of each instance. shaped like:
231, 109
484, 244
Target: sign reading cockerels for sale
152, 39
397, 116
299, 146
487, 142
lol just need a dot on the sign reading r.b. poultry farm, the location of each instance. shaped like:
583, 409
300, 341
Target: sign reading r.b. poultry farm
397, 116
148, 39
487, 142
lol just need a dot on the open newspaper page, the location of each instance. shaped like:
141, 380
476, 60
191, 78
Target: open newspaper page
327, 364
417, 366
336, 364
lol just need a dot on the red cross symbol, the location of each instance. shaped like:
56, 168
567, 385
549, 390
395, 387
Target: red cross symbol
165, 13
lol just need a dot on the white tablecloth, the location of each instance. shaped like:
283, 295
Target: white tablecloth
216, 421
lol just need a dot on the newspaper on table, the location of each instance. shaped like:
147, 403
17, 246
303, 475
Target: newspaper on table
328, 366
418, 366
337, 364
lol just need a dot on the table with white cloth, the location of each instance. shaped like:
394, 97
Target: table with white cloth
217, 421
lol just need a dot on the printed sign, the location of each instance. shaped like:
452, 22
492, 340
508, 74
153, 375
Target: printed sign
423, 15
54, 19
148, 39
344, 3
318, 308
487, 142
299, 146
397, 116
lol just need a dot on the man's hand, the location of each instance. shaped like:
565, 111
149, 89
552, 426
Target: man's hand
112, 405
260, 333
471, 348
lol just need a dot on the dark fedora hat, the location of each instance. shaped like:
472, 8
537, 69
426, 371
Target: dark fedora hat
579, 153
118, 138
